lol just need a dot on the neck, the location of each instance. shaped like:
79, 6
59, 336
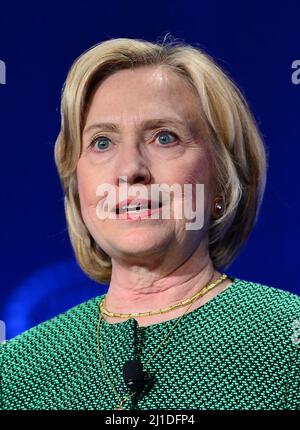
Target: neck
135, 289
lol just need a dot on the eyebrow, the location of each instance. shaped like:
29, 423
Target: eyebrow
146, 124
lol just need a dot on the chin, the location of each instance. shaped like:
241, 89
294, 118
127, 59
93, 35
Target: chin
141, 242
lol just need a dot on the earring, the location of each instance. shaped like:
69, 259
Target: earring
219, 205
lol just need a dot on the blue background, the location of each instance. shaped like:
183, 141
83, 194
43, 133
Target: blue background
254, 42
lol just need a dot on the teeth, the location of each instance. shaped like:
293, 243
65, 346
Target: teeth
133, 208
137, 207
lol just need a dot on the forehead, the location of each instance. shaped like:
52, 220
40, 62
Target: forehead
141, 92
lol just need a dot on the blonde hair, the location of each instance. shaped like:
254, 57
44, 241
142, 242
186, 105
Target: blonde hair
228, 126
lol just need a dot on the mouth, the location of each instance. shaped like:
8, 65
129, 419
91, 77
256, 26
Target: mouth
137, 206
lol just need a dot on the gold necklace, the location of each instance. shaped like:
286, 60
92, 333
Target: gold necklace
201, 293
164, 310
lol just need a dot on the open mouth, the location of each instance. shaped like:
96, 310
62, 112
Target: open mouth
136, 208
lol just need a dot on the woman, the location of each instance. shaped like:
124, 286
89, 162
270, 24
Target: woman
173, 331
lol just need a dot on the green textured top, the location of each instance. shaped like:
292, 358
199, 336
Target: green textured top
237, 351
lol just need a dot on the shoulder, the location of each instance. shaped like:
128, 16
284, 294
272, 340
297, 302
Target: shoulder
267, 315
47, 354
55, 332
271, 318
265, 298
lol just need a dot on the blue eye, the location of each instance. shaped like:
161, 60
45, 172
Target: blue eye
100, 143
164, 137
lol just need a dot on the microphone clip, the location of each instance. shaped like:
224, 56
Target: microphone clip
136, 378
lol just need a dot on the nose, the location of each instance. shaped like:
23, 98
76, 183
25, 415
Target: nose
133, 164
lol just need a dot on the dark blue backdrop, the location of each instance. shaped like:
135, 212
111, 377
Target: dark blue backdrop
255, 42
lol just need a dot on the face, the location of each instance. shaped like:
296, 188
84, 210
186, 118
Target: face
155, 139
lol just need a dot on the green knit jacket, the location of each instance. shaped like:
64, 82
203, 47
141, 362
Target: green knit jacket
240, 350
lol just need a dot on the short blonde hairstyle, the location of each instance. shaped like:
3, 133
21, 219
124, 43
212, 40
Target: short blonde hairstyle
238, 152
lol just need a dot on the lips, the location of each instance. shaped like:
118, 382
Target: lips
139, 203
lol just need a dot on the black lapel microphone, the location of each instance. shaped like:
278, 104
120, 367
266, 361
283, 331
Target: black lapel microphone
134, 376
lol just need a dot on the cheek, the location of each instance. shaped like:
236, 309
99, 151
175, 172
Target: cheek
85, 192
87, 186
197, 171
